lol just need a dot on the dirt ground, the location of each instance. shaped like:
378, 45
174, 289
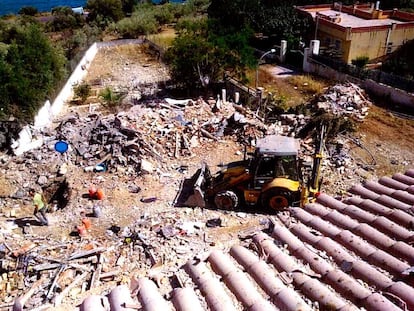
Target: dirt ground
382, 145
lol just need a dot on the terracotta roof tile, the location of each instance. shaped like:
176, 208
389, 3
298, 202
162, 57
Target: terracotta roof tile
410, 172
364, 271
404, 179
93, 302
393, 203
186, 299
394, 183
341, 255
360, 215
210, 286
335, 250
378, 188
410, 189
387, 226
375, 236
403, 196
400, 217
400, 249
149, 296
341, 220
364, 192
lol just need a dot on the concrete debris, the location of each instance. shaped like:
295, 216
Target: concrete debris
347, 100
120, 155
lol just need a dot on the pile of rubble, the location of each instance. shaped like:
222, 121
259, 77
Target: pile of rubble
151, 137
152, 131
59, 273
347, 100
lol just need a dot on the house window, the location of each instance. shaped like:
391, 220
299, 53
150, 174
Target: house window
327, 41
338, 44
389, 47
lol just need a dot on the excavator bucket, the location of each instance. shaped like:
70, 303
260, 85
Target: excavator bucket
191, 193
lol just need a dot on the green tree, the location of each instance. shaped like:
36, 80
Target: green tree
360, 61
103, 12
79, 41
6, 72
401, 61
197, 6
111, 99
164, 14
275, 19
232, 15
28, 10
199, 56
128, 6
141, 22
64, 18
32, 68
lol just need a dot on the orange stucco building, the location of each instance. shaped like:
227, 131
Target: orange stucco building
360, 30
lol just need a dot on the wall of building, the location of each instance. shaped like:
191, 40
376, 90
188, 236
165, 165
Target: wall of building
379, 41
401, 34
370, 43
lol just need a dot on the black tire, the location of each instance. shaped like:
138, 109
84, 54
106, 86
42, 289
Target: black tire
226, 200
276, 199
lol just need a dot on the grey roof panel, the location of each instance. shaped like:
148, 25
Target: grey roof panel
278, 145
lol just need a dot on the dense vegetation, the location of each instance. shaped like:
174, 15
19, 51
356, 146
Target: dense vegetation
213, 36
30, 68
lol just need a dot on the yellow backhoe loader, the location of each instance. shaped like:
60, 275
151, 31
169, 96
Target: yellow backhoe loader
271, 178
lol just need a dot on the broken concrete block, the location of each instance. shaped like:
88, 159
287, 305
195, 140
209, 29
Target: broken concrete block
146, 166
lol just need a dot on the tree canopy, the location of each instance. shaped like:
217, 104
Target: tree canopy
30, 69
103, 12
199, 55
275, 19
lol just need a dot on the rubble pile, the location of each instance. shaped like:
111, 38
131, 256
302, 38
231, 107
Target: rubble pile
347, 100
116, 151
149, 131
154, 246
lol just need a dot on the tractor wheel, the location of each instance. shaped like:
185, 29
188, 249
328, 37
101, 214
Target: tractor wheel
227, 200
276, 199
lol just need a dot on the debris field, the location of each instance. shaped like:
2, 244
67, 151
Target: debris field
133, 232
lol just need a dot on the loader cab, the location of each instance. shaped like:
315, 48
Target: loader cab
276, 157
267, 167
275, 172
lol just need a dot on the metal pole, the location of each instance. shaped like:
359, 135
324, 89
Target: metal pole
316, 25
258, 65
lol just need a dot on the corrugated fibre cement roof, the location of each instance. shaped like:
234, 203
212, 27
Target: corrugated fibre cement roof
351, 254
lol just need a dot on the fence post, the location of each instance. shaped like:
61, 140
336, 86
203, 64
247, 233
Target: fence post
306, 65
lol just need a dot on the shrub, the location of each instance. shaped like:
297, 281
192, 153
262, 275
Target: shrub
28, 10
164, 13
138, 24
82, 90
111, 99
64, 18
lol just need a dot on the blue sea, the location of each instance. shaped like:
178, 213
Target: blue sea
13, 6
